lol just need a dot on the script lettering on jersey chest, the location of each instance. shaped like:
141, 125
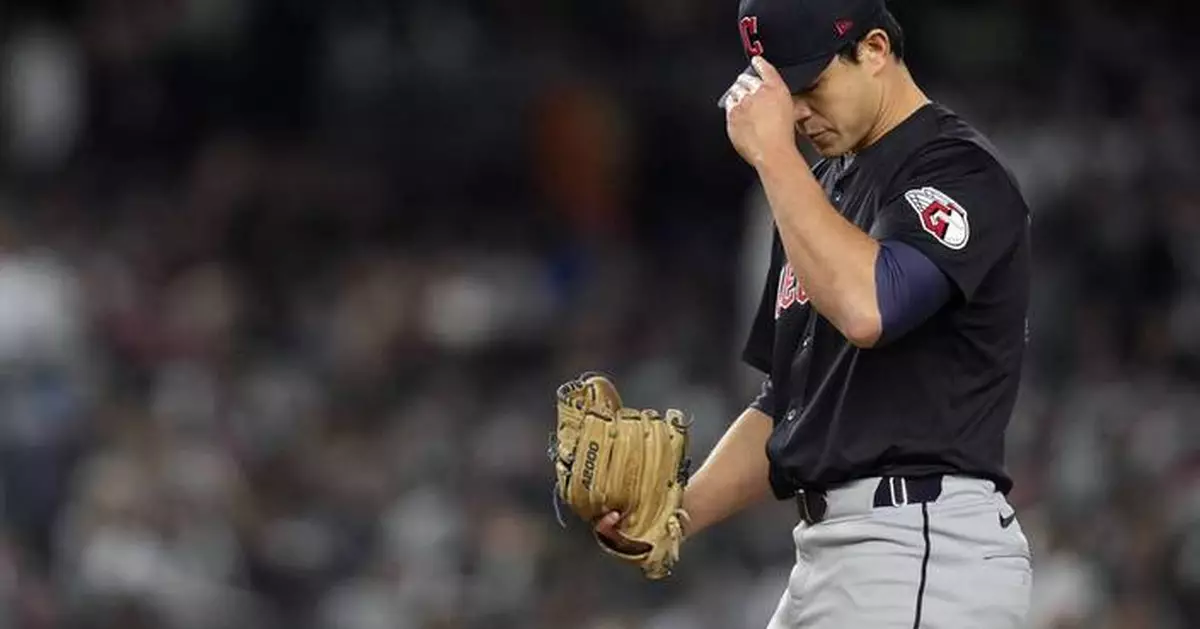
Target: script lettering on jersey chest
789, 291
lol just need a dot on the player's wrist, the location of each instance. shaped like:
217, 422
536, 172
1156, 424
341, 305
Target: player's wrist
689, 523
699, 515
779, 158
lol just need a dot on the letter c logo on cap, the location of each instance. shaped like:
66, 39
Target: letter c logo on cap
749, 28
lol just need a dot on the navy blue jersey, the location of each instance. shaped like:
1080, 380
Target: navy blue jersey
937, 399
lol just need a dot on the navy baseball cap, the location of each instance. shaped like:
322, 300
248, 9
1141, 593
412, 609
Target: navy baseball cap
801, 37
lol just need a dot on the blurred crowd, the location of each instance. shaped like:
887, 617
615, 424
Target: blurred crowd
286, 287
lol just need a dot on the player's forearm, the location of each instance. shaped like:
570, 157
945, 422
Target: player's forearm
833, 259
734, 476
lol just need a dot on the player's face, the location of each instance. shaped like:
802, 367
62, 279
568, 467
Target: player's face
837, 111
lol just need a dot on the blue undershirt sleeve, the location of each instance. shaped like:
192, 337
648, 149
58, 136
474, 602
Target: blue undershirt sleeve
909, 288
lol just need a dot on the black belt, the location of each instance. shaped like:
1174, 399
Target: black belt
892, 491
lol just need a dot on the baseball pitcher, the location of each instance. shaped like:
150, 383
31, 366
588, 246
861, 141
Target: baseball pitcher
890, 333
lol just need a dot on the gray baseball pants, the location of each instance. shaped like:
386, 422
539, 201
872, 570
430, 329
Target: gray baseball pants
958, 562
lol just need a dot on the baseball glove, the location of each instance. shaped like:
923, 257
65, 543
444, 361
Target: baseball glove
611, 458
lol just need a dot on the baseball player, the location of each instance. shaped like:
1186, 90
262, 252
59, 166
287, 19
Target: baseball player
891, 331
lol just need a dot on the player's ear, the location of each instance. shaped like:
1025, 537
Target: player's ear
875, 49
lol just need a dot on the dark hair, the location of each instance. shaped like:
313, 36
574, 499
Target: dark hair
888, 23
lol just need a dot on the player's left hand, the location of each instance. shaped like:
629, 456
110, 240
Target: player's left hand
606, 527
758, 114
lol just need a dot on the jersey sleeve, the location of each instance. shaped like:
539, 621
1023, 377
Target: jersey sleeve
957, 205
760, 344
765, 400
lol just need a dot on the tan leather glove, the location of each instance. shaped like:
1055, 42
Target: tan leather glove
611, 458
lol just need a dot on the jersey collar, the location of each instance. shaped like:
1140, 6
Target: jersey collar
896, 143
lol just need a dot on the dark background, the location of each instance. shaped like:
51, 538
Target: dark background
286, 285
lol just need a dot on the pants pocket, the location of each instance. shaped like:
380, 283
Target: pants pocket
1010, 579
787, 613
981, 572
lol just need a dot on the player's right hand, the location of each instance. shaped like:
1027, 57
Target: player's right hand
606, 527
758, 114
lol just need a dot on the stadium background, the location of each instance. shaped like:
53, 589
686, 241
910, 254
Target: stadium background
285, 287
